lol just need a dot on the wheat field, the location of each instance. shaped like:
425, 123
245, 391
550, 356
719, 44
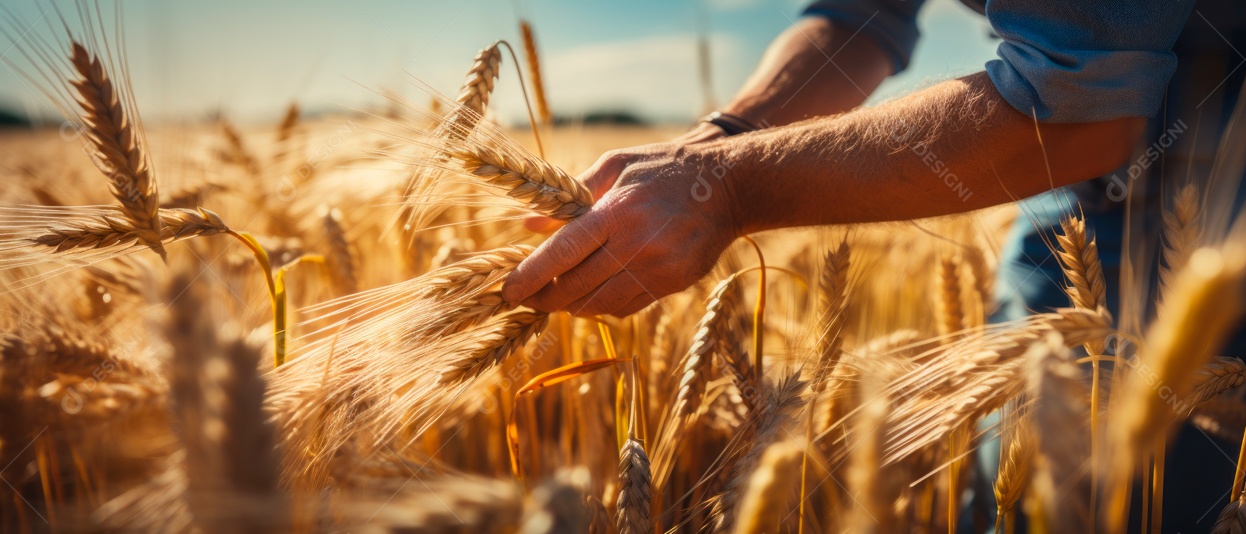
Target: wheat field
298, 327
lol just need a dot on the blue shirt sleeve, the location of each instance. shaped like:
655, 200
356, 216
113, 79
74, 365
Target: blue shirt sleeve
892, 24
1085, 60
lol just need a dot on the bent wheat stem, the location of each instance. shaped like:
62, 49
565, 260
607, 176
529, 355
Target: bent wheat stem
759, 309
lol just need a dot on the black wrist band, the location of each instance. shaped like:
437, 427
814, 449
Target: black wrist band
730, 124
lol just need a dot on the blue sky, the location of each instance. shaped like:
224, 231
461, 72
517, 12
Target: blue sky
249, 59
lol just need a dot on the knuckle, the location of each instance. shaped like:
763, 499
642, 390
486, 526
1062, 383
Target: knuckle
562, 251
614, 157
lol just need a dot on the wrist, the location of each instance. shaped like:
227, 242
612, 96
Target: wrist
754, 112
701, 133
723, 173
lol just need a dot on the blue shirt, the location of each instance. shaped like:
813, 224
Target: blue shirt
1062, 60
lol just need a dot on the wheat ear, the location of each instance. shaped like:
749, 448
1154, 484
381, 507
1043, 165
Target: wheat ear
963, 381
495, 345
1223, 417
237, 153
1221, 375
118, 149
117, 230
832, 298
713, 332
635, 490
534, 71
478, 85
1232, 519
341, 257
453, 129
1181, 233
1014, 473
950, 312
1079, 259
545, 189
285, 130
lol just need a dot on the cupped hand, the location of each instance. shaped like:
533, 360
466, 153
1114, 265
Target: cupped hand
657, 227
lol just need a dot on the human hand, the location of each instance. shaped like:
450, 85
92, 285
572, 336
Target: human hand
701, 133
647, 236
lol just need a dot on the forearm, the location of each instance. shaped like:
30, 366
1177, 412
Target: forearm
952, 148
815, 68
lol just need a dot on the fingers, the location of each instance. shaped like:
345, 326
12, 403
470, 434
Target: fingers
598, 179
639, 302
557, 255
611, 296
542, 225
576, 283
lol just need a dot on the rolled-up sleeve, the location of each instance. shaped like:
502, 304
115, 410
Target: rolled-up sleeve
1088, 60
891, 24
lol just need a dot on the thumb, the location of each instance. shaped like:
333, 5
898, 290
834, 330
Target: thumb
605, 172
598, 179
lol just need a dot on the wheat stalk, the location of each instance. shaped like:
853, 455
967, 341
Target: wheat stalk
1079, 259
118, 149
867, 453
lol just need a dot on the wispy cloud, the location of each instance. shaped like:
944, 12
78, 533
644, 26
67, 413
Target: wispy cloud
656, 74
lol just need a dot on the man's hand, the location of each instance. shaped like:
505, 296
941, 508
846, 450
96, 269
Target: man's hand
646, 237
701, 133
